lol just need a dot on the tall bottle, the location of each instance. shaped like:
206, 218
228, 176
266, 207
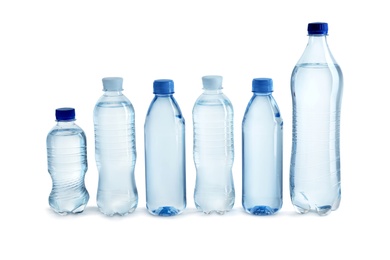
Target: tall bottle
316, 89
165, 163
213, 148
67, 164
262, 151
115, 150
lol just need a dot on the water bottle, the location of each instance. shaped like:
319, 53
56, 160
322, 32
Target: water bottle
165, 163
67, 164
262, 151
213, 148
115, 150
316, 89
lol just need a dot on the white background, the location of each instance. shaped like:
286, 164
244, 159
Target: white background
54, 54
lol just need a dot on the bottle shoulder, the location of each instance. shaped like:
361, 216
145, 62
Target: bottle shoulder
113, 102
67, 130
262, 106
321, 72
317, 53
213, 100
163, 110
164, 107
167, 103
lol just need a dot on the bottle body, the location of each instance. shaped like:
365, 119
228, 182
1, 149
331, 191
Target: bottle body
165, 165
262, 156
115, 154
316, 88
67, 165
213, 152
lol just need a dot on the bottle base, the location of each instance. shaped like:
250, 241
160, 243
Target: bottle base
111, 205
111, 213
214, 202
304, 204
320, 210
211, 211
64, 206
262, 210
166, 211
63, 212
219, 212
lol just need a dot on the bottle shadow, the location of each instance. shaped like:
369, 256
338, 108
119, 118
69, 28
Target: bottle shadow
188, 212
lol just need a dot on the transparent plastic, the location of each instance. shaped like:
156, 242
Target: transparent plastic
67, 164
316, 89
262, 156
165, 164
115, 153
213, 152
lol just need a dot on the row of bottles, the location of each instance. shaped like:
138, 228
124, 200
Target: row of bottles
165, 162
316, 88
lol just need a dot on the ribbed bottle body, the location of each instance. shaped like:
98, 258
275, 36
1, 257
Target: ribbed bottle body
213, 152
315, 160
115, 154
67, 165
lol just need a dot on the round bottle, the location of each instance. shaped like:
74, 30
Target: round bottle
262, 151
165, 164
316, 89
115, 150
213, 148
67, 164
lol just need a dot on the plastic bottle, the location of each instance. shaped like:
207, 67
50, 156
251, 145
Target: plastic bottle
67, 164
115, 150
316, 89
213, 148
165, 163
262, 151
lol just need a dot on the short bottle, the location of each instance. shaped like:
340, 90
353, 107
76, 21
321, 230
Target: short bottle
115, 150
213, 148
262, 151
67, 164
165, 163
316, 89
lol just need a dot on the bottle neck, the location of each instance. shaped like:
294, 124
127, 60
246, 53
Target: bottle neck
212, 91
114, 93
262, 93
163, 95
66, 123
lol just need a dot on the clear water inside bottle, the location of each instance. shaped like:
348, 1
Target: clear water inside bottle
115, 153
262, 144
213, 153
315, 160
67, 165
165, 164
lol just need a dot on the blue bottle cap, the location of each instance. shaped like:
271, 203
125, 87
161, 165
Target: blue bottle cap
262, 85
65, 114
212, 82
317, 28
163, 86
112, 84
